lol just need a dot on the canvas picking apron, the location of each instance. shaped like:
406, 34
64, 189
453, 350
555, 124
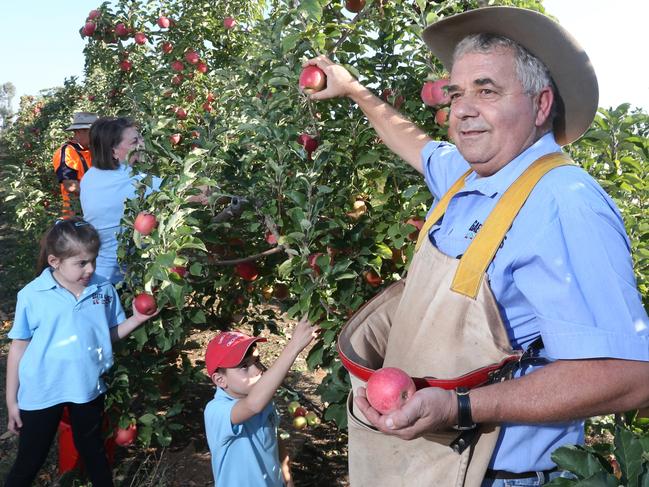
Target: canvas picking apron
439, 325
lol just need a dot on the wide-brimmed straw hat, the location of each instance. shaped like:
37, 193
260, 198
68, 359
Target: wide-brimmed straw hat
82, 120
566, 60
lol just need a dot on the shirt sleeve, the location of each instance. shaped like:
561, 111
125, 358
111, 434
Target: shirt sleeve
117, 314
21, 329
443, 165
578, 277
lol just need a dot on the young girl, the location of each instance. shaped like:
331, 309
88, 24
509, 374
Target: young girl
65, 322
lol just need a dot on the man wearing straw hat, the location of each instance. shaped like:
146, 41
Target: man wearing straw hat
529, 247
73, 159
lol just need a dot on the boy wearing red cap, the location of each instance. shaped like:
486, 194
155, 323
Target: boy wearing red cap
241, 421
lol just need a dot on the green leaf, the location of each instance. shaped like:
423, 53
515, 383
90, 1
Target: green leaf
148, 419
578, 460
628, 452
337, 413
312, 8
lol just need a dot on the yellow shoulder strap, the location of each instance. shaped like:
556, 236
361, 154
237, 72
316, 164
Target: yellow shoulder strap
480, 253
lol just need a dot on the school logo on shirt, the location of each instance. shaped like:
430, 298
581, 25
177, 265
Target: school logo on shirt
101, 298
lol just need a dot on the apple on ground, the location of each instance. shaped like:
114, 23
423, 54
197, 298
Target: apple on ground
163, 22
145, 304
300, 411
229, 23
312, 79
126, 436
434, 93
388, 389
247, 270
299, 422
312, 419
292, 406
354, 6
140, 38
145, 223
267, 292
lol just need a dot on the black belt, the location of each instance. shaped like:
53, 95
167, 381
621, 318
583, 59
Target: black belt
503, 475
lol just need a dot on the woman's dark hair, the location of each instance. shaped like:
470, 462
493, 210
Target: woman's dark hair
66, 239
105, 135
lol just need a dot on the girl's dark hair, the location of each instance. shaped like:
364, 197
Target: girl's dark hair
65, 239
105, 135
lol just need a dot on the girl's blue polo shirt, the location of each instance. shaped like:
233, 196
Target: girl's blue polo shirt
242, 454
103, 194
564, 271
69, 341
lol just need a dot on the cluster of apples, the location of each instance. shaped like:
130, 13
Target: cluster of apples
435, 94
301, 417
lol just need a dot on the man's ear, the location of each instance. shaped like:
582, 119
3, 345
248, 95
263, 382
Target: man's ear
53, 262
544, 101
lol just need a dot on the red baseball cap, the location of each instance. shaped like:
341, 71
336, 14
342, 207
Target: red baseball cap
227, 349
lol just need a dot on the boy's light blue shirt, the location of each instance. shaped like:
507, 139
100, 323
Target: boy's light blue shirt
69, 341
103, 194
245, 455
564, 270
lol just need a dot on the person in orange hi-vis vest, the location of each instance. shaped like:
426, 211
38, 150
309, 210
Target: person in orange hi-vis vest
72, 160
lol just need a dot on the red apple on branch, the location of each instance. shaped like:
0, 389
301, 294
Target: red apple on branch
180, 113
354, 6
309, 143
145, 223
94, 14
313, 263
177, 65
372, 278
388, 389
192, 57
140, 38
121, 30
312, 79
145, 304
441, 116
418, 223
229, 23
174, 139
167, 47
180, 270
89, 29
201, 67
163, 22
247, 271
434, 93
125, 65
126, 436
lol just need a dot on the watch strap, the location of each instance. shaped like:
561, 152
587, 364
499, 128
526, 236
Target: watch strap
464, 419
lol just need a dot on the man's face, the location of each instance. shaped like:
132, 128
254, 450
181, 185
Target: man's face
83, 137
492, 119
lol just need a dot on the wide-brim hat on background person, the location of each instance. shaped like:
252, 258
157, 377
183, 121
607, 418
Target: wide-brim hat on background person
568, 63
82, 120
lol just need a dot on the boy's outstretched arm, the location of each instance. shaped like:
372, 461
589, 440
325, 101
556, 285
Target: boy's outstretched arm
264, 390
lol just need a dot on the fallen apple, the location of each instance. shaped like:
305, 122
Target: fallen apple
312, 79
145, 304
388, 389
126, 436
292, 406
299, 422
312, 419
145, 223
280, 291
300, 411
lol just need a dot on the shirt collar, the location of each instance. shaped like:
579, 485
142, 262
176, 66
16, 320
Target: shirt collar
499, 182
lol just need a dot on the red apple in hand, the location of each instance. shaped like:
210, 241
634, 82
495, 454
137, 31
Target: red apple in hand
434, 93
312, 79
145, 304
246, 270
145, 223
388, 389
125, 436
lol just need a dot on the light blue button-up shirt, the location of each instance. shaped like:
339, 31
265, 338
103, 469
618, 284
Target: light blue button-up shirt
103, 194
243, 454
564, 270
69, 341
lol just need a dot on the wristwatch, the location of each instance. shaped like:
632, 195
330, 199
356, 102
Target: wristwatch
464, 419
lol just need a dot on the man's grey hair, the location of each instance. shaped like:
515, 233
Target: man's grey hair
531, 72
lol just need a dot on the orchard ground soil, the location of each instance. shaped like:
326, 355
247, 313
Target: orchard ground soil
319, 453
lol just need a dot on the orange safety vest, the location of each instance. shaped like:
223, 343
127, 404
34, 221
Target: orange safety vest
71, 161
